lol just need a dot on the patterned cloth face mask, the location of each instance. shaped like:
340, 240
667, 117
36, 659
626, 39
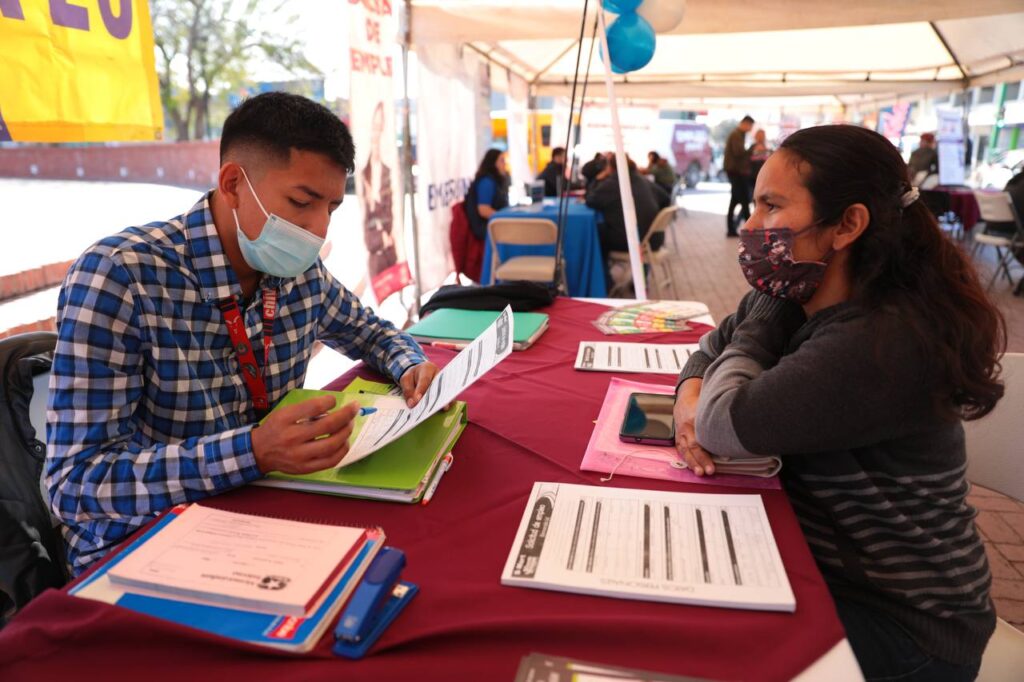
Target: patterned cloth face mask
766, 258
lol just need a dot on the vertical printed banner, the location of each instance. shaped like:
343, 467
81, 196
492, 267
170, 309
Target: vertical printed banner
373, 28
446, 152
78, 72
892, 121
951, 147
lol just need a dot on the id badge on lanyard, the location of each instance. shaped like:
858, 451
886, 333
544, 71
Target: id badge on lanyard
254, 378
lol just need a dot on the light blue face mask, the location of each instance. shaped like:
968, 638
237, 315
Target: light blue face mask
282, 249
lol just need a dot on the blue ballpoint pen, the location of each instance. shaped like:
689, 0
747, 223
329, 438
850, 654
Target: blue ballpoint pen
363, 411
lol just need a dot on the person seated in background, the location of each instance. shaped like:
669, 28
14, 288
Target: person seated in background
488, 193
174, 339
866, 340
661, 171
553, 174
923, 159
591, 168
604, 196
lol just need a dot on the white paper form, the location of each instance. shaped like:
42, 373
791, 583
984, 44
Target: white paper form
709, 549
391, 422
645, 358
248, 562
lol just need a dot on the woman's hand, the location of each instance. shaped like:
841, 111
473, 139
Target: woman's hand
684, 414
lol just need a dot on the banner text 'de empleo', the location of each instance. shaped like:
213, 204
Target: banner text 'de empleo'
77, 71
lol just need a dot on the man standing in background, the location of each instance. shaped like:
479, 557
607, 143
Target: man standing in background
737, 167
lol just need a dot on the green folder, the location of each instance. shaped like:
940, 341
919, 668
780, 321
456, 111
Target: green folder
452, 325
400, 471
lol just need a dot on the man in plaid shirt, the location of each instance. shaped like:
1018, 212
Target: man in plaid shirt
174, 337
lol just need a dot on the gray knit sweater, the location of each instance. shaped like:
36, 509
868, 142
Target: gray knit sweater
875, 475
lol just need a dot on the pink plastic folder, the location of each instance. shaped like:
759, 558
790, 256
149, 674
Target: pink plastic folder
606, 453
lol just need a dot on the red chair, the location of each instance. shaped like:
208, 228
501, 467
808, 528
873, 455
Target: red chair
467, 250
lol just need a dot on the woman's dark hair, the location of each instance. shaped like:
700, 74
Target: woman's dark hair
904, 263
489, 166
274, 123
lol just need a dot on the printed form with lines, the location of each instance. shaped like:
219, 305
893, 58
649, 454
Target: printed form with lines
393, 419
710, 549
648, 358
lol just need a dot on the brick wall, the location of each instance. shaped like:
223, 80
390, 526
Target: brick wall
36, 279
185, 164
48, 325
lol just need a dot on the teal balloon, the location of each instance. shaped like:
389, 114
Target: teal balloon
621, 6
615, 69
631, 43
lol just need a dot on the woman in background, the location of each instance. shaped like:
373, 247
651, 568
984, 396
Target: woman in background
488, 192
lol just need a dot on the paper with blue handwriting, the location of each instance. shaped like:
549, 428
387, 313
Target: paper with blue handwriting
393, 418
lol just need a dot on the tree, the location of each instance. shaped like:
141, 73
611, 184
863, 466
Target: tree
206, 46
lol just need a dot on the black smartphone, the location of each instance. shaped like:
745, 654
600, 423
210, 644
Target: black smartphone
648, 419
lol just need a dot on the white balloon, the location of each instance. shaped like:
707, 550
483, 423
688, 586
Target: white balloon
662, 15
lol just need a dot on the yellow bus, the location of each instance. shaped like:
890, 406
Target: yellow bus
538, 136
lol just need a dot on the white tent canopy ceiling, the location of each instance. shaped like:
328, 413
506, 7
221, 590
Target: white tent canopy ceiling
846, 51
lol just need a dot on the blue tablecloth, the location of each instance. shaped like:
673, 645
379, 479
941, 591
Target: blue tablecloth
581, 248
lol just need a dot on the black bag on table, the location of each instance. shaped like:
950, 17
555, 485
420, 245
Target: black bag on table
521, 295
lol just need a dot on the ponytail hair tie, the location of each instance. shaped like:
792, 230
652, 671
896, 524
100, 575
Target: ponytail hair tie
909, 197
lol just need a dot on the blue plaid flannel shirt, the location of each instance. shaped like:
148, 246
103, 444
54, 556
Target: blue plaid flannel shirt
147, 408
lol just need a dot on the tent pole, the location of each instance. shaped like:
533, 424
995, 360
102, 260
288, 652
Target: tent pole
622, 171
410, 192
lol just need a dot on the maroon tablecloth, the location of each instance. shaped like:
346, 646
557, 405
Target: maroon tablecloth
530, 419
963, 203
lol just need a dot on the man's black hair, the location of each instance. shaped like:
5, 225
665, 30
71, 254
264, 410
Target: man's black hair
558, 150
747, 119
277, 122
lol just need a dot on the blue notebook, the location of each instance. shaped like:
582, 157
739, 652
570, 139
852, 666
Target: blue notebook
291, 633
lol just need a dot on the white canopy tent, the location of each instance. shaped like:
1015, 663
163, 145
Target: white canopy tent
849, 51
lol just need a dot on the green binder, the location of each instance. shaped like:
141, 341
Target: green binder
452, 325
401, 471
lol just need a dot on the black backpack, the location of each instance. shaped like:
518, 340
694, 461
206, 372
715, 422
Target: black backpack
31, 550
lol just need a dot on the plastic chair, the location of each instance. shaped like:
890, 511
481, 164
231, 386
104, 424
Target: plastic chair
658, 261
33, 558
993, 461
998, 207
522, 232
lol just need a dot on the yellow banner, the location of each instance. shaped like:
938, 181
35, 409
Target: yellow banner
77, 71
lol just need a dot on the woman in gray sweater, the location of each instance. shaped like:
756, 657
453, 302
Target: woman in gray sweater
865, 341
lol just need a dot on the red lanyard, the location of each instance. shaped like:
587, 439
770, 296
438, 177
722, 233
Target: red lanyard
243, 348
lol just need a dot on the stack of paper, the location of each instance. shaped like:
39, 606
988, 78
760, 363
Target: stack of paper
644, 358
267, 581
714, 550
655, 316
